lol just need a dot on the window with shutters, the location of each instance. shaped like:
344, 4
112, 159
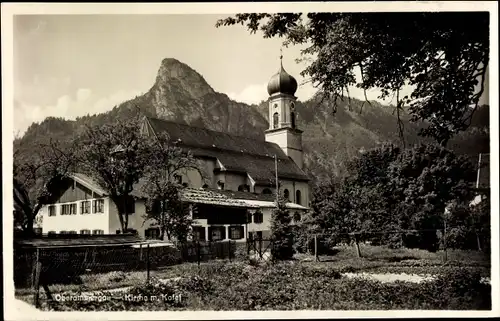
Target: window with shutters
258, 217
85, 207
65, 209
72, 209
52, 210
98, 206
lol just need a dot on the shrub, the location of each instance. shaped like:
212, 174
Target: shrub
281, 231
291, 285
461, 288
196, 284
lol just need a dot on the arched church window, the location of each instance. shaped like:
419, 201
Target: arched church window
292, 119
298, 197
275, 120
286, 194
267, 191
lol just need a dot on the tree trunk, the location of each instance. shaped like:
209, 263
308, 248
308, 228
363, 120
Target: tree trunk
125, 212
162, 223
478, 242
29, 226
117, 202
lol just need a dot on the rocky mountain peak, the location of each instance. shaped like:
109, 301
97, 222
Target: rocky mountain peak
173, 73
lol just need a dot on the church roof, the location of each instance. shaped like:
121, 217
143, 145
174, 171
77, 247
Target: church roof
282, 82
235, 153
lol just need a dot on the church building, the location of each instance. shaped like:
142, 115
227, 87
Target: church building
234, 198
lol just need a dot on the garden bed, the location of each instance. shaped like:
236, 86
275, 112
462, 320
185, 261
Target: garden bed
293, 286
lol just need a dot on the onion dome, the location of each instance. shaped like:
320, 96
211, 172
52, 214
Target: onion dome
282, 83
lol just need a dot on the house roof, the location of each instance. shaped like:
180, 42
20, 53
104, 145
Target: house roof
202, 196
253, 156
89, 183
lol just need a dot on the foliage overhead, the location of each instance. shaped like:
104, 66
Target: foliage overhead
440, 56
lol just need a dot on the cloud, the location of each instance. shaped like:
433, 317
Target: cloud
66, 107
83, 94
255, 93
252, 94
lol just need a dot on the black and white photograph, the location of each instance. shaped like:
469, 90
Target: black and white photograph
250, 160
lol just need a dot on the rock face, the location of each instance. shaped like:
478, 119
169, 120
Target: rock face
181, 94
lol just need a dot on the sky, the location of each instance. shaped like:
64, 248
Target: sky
74, 65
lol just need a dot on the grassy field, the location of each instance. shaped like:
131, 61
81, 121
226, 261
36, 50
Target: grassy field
380, 259
299, 284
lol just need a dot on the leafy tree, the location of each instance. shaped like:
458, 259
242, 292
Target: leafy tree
370, 168
281, 232
442, 56
116, 156
424, 180
163, 193
390, 190
481, 221
40, 170
468, 225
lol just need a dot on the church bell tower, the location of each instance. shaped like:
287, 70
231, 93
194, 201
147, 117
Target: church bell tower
283, 116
